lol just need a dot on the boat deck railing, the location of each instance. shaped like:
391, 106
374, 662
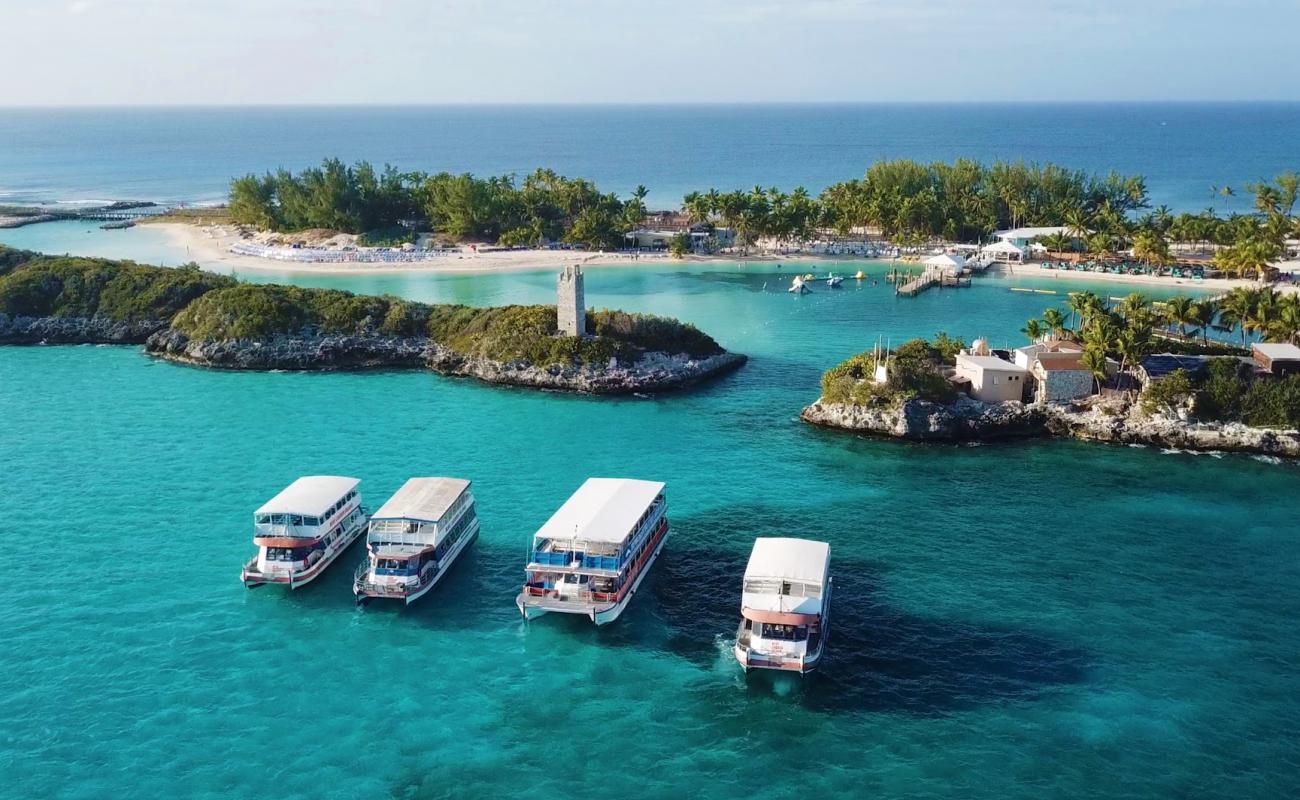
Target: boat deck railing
362, 582
576, 601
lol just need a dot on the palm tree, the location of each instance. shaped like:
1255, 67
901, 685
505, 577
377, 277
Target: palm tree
1132, 305
1094, 360
1151, 248
1285, 326
1054, 320
1263, 311
1134, 341
1227, 194
1234, 308
1203, 316
1181, 311
1034, 330
1081, 303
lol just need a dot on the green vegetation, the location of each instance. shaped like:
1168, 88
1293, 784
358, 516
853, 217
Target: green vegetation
913, 372
11, 259
123, 291
905, 200
544, 207
507, 333
1225, 391
204, 306
1127, 331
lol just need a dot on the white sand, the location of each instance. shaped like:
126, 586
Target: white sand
210, 246
1036, 271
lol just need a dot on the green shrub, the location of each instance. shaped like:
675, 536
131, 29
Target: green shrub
1167, 394
1220, 389
204, 306
913, 372
11, 259
393, 236
1271, 403
89, 287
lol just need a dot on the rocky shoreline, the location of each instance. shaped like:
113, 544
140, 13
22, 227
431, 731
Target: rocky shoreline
651, 372
1115, 421
75, 330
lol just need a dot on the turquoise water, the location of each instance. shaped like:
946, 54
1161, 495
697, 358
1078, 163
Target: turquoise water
190, 154
1046, 619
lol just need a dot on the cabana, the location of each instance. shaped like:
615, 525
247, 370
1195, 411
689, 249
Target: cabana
1003, 251
950, 264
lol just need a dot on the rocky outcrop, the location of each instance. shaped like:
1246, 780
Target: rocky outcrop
315, 352
1126, 424
1117, 421
920, 420
75, 330
652, 372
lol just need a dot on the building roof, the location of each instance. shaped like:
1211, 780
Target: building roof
602, 510
988, 363
1069, 362
946, 261
309, 496
422, 499
1001, 247
1031, 232
1277, 351
1159, 365
789, 560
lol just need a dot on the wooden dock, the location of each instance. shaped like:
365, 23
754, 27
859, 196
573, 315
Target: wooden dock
929, 279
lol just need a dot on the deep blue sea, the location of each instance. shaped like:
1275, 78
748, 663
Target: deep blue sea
191, 154
1027, 620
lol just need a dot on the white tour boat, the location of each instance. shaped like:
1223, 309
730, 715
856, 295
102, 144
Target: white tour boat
301, 530
415, 537
785, 605
593, 553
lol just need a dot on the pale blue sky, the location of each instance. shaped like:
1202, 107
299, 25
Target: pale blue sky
582, 51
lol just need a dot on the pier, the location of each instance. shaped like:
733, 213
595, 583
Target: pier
929, 279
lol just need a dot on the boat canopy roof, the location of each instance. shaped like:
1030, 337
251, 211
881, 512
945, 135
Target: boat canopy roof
799, 560
602, 510
422, 499
310, 496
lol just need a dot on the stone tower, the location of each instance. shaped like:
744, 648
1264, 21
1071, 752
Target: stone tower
570, 308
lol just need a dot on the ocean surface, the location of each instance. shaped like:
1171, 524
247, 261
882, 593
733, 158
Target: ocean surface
172, 155
1030, 620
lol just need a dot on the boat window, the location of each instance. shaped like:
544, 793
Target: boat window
312, 521
277, 519
295, 519
262, 519
784, 633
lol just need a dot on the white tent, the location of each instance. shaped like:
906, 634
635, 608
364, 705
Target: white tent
1003, 251
944, 262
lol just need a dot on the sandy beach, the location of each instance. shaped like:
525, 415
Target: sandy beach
1037, 271
210, 246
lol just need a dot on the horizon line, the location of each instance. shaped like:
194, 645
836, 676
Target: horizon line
655, 104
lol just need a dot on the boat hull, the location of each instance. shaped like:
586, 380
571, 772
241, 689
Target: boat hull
599, 613
364, 596
252, 578
750, 660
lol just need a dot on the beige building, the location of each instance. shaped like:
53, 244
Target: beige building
992, 380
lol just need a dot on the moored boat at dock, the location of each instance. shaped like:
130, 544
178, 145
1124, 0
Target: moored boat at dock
592, 554
785, 605
301, 530
415, 537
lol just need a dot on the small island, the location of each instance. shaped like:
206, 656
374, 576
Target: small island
193, 317
1121, 375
